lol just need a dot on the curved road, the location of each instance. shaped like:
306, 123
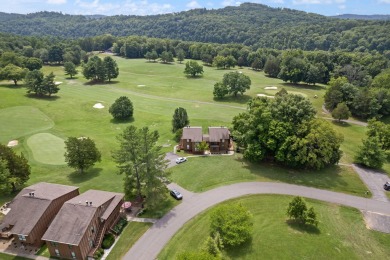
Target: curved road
154, 240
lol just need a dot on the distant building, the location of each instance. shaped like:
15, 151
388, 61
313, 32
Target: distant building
32, 211
218, 139
79, 227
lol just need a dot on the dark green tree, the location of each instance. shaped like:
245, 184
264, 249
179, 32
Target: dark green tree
220, 90
111, 68
16, 170
34, 81
142, 162
297, 210
180, 55
371, 154
380, 130
166, 57
55, 54
122, 108
70, 69
180, 119
341, 112
236, 82
193, 68
234, 223
81, 153
49, 86
94, 69
33, 64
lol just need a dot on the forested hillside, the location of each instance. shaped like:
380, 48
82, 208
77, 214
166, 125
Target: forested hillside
250, 24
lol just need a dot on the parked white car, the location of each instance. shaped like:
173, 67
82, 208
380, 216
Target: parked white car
181, 160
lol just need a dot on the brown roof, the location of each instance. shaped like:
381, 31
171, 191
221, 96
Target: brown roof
218, 133
74, 218
192, 132
27, 210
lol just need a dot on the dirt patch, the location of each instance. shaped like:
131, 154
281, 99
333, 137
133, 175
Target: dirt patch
13, 143
376, 221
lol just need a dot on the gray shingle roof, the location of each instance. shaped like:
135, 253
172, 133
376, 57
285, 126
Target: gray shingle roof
27, 210
218, 133
193, 132
74, 218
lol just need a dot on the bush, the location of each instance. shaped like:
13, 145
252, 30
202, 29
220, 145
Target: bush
119, 226
108, 240
99, 253
122, 108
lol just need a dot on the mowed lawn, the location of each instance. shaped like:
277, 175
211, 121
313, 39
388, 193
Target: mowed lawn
203, 173
155, 90
341, 233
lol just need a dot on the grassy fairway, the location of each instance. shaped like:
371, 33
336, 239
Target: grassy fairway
155, 90
20, 121
341, 233
222, 170
12, 257
129, 236
47, 148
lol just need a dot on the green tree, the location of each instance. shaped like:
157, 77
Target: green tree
180, 119
272, 67
34, 81
142, 161
70, 69
55, 54
94, 69
122, 108
236, 82
371, 154
380, 130
13, 72
151, 55
5, 178
202, 146
234, 223
34, 64
219, 62
49, 86
111, 68
230, 62
297, 210
220, 90
341, 112
81, 153
166, 57
293, 67
10, 57
17, 171
210, 246
180, 55
193, 68
382, 80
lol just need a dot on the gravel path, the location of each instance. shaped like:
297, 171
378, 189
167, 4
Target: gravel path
154, 240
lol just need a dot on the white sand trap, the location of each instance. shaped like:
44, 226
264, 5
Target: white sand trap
271, 88
263, 95
141, 86
58, 83
98, 106
13, 143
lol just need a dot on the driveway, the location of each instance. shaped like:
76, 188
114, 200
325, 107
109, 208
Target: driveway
154, 240
374, 181
171, 157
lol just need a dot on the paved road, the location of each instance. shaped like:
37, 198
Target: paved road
154, 240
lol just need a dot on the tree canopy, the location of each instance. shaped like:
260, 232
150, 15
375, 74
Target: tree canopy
180, 119
81, 153
193, 68
122, 108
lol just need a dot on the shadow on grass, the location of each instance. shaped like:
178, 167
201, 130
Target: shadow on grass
162, 209
11, 86
78, 177
240, 99
98, 83
194, 77
301, 86
240, 251
340, 123
122, 121
303, 228
46, 98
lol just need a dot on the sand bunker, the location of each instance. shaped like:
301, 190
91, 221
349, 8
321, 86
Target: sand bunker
98, 106
140, 85
271, 88
13, 143
263, 95
58, 83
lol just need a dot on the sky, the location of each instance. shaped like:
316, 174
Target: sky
151, 7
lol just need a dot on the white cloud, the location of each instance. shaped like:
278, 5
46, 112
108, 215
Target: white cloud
300, 2
230, 3
56, 2
142, 7
384, 1
193, 4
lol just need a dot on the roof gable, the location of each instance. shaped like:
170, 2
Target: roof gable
194, 133
218, 133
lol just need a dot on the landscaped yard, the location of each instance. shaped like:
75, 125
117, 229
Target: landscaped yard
129, 236
11, 257
203, 173
341, 233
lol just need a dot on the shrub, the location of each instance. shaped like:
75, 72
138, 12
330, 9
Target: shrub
118, 228
108, 240
122, 108
99, 253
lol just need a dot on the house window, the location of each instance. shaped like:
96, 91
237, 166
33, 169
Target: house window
188, 147
188, 140
222, 141
22, 237
90, 243
53, 243
92, 229
70, 246
73, 255
57, 252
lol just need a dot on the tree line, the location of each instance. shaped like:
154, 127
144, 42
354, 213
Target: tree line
249, 23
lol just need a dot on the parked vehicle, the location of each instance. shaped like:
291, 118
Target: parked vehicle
181, 160
387, 186
177, 195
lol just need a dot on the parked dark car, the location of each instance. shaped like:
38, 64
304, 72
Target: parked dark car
387, 186
177, 195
